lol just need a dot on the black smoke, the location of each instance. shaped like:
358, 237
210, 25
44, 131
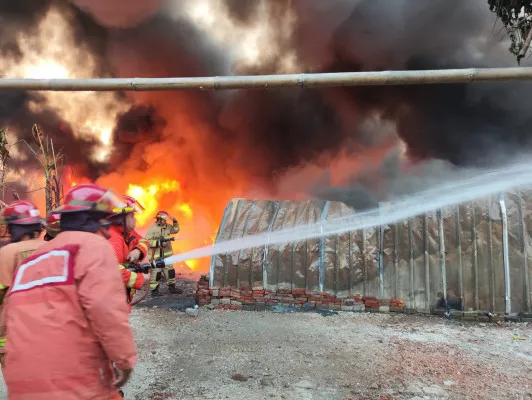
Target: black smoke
268, 132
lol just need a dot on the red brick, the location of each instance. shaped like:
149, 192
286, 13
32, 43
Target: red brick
298, 291
369, 298
326, 294
220, 307
255, 292
259, 299
225, 293
314, 298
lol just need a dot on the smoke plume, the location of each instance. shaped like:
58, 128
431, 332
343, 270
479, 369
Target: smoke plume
360, 144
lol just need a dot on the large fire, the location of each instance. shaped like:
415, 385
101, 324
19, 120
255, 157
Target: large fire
195, 165
160, 194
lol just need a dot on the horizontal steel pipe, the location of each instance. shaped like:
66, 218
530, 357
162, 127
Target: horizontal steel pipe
370, 78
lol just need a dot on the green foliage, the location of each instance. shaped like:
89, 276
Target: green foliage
516, 17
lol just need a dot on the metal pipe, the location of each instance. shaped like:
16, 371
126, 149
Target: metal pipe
395, 278
522, 233
426, 259
475, 254
364, 261
490, 255
366, 78
380, 250
506, 259
321, 270
411, 264
459, 255
350, 261
442, 256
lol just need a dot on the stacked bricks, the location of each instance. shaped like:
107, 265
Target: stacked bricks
258, 298
203, 294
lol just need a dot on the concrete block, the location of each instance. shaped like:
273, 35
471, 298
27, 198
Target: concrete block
347, 308
237, 303
336, 307
384, 309
225, 301
359, 307
215, 301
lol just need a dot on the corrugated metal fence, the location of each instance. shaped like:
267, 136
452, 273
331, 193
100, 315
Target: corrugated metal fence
474, 254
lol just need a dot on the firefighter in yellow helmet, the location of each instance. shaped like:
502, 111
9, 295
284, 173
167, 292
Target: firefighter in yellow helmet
159, 236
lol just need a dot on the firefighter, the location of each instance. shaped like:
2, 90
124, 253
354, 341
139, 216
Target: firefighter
69, 335
24, 225
51, 227
161, 229
128, 244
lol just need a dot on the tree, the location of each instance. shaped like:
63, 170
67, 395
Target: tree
516, 16
52, 164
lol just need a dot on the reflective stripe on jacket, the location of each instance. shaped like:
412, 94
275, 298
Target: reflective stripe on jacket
67, 321
131, 279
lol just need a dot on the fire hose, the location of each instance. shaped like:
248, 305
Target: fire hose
147, 268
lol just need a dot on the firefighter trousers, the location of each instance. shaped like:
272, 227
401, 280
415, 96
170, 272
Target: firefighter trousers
168, 272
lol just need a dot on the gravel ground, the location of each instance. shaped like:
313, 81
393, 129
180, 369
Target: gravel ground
266, 355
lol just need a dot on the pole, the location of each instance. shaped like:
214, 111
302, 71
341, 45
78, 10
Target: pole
370, 78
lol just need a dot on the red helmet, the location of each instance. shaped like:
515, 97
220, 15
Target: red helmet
90, 197
130, 206
52, 226
21, 213
162, 215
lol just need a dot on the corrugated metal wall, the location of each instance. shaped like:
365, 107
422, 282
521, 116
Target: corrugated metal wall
456, 252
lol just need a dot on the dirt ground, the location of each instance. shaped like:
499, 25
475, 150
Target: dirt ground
267, 355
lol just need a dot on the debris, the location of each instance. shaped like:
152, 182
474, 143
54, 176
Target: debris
240, 378
517, 337
192, 312
326, 313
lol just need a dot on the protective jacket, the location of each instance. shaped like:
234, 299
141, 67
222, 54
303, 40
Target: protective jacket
11, 256
157, 231
67, 322
131, 279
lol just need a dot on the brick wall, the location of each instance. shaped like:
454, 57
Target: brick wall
259, 299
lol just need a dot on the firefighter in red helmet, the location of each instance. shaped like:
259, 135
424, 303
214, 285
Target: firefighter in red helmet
52, 226
24, 225
162, 230
66, 314
128, 244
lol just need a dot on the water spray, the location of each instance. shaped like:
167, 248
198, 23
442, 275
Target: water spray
491, 182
